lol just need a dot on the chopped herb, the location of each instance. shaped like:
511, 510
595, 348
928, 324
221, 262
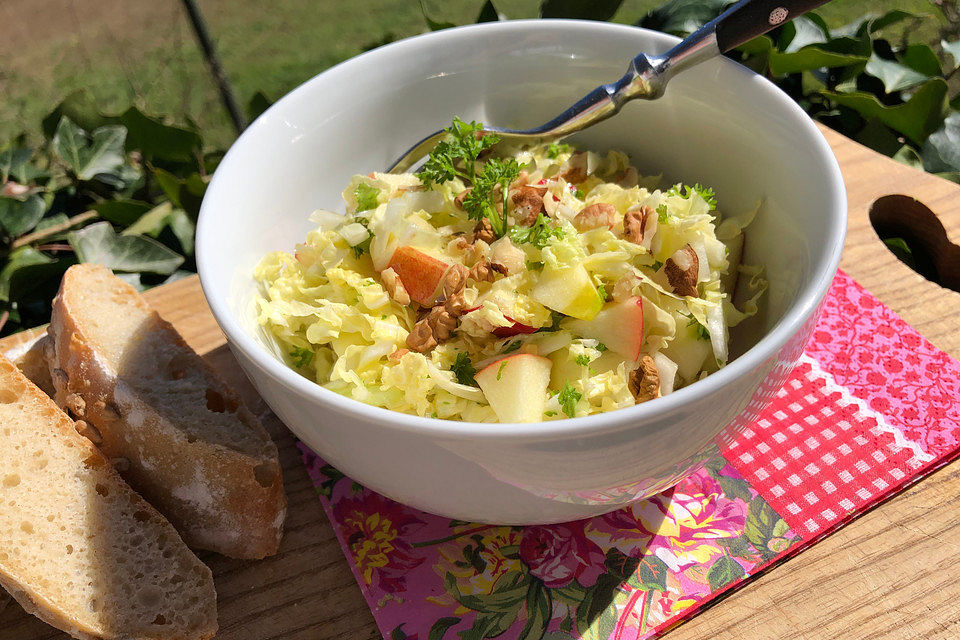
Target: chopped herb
366, 197
657, 265
363, 247
685, 192
513, 346
662, 214
601, 347
301, 357
550, 414
434, 414
579, 194
602, 292
463, 368
702, 332
367, 282
383, 317
538, 234
583, 360
500, 370
554, 149
456, 156
534, 266
481, 201
568, 398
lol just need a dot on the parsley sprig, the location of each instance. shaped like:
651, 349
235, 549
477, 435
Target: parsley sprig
568, 399
483, 198
463, 368
685, 191
538, 234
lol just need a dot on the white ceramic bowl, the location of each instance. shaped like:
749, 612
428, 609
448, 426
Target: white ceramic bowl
718, 124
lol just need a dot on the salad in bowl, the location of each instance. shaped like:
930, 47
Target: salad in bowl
506, 283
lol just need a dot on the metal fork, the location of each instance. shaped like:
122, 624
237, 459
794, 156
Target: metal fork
647, 76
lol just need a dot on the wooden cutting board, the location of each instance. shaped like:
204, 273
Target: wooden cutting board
893, 573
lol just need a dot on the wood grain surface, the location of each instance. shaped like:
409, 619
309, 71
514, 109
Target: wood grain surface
893, 573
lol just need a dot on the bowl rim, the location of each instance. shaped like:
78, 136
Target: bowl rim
803, 307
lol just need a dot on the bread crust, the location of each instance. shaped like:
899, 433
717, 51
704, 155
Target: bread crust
217, 497
44, 605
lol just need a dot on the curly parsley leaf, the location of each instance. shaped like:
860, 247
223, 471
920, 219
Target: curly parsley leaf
568, 398
301, 357
456, 155
583, 360
685, 192
463, 368
601, 347
538, 234
489, 189
662, 214
554, 149
555, 319
366, 197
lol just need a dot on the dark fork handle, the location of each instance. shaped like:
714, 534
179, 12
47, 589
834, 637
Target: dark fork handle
751, 18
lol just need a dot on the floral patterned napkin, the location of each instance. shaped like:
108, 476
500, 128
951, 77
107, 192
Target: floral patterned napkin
871, 407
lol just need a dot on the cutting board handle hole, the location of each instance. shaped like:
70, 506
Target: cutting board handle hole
912, 232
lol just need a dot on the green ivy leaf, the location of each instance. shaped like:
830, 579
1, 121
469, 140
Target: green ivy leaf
99, 243
941, 151
102, 153
921, 58
15, 163
441, 626
539, 608
802, 31
121, 212
681, 17
155, 139
917, 118
18, 262
579, 10
908, 155
894, 75
724, 571
81, 109
18, 217
153, 223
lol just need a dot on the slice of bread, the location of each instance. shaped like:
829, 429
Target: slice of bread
78, 547
184, 439
30, 358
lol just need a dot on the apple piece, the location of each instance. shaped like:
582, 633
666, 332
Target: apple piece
516, 386
421, 274
619, 326
569, 290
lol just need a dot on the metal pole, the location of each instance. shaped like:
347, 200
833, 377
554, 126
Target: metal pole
216, 69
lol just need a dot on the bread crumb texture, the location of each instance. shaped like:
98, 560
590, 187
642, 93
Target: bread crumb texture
78, 547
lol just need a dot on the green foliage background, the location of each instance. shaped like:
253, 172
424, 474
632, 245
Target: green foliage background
100, 181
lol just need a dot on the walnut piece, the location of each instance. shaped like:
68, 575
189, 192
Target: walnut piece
644, 382
575, 168
484, 231
397, 355
486, 271
600, 214
682, 269
436, 327
639, 225
454, 280
393, 285
528, 203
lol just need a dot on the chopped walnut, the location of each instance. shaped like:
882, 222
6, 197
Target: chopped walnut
396, 355
484, 231
485, 271
436, 327
644, 382
600, 214
455, 305
454, 281
639, 225
394, 286
460, 197
575, 168
682, 269
528, 203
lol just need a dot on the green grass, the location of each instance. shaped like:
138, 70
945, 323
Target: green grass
125, 52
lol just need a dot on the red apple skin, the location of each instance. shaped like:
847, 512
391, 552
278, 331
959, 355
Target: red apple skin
420, 273
515, 329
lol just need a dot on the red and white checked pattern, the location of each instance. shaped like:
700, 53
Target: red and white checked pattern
817, 453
